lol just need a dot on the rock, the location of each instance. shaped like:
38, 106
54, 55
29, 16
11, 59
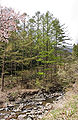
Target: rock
6, 116
58, 98
1, 109
48, 106
12, 113
29, 109
32, 112
1, 102
38, 103
46, 95
29, 118
18, 100
21, 117
40, 117
16, 110
24, 111
40, 92
32, 107
39, 112
36, 112
10, 107
2, 114
46, 111
57, 94
35, 108
20, 107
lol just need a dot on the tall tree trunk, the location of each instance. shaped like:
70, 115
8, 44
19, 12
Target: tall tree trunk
55, 64
47, 46
2, 76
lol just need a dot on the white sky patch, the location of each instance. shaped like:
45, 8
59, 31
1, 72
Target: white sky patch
65, 10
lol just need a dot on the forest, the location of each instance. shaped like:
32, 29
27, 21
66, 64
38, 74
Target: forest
31, 49
36, 67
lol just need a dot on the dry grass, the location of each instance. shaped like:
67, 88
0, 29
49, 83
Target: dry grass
66, 108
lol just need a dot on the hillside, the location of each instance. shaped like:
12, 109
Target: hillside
66, 108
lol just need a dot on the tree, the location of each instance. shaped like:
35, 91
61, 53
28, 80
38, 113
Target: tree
75, 50
8, 19
50, 44
33, 45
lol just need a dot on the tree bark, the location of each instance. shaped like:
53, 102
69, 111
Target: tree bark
2, 76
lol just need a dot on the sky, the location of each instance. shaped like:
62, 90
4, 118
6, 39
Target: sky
65, 10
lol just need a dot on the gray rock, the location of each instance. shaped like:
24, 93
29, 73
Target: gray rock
48, 106
29, 118
12, 113
32, 112
58, 98
24, 111
6, 116
39, 112
40, 117
1, 109
18, 100
10, 107
21, 117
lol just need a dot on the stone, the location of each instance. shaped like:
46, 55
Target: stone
39, 112
18, 100
48, 106
20, 107
10, 106
40, 116
33, 111
31, 107
6, 116
24, 111
58, 98
21, 117
1, 102
29, 118
6, 109
12, 113
1, 109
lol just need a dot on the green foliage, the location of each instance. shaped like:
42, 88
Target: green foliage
75, 50
38, 83
40, 73
35, 46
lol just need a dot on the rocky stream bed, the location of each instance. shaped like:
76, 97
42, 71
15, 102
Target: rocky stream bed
28, 106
